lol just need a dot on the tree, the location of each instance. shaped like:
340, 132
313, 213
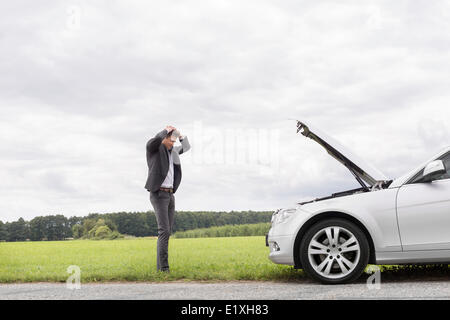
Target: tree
3, 232
88, 224
38, 229
110, 224
132, 223
77, 231
57, 227
102, 232
75, 220
18, 230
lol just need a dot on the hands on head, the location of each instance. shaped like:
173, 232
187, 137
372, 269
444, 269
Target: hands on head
173, 134
170, 129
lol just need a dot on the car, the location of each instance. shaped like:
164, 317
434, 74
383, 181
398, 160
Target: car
386, 221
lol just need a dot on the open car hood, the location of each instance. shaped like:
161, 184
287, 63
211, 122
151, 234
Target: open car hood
365, 173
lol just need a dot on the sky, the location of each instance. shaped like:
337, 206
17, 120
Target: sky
84, 85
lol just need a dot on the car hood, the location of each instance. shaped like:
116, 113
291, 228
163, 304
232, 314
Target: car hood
364, 173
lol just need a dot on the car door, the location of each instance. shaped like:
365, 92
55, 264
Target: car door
423, 211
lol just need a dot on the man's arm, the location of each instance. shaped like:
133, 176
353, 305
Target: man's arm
154, 143
185, 146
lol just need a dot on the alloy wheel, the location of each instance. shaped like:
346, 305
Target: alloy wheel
334, 252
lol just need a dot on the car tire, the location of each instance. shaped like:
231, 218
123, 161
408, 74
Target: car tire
334, 251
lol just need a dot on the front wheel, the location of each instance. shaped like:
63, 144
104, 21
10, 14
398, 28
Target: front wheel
334, 251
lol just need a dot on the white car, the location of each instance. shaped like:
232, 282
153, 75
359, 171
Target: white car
400, 221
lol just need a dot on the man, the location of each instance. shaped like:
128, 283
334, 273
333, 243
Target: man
164, 177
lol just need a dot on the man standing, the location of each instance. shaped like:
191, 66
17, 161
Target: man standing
164, 177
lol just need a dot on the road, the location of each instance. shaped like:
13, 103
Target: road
238, 290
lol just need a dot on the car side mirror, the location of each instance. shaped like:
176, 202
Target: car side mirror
433, 170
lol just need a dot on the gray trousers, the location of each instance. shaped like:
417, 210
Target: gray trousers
164, 205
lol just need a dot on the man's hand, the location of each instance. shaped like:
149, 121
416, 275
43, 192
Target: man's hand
169, 129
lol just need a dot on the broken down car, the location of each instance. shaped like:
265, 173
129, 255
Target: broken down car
405, 220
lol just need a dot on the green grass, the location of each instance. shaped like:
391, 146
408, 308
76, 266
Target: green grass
209, 259
191, 259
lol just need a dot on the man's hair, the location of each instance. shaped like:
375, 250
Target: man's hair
177, 133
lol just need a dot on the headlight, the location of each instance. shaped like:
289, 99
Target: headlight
282, 215
274, 215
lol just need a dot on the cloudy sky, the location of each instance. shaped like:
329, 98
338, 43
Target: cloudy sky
84, 85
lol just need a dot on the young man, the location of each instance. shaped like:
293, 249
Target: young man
164, 177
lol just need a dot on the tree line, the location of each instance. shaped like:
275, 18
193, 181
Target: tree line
139, 224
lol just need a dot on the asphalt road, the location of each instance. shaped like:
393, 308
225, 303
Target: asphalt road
245, 290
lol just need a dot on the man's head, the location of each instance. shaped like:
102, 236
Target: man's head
171, 138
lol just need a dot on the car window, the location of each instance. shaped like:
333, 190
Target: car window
446, 159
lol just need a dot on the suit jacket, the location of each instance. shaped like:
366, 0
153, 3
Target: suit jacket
158, 162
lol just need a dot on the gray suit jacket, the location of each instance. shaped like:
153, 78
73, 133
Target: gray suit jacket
158, 162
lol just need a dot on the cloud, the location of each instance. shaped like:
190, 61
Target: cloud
84, 86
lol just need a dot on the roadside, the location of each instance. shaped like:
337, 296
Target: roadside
234, 290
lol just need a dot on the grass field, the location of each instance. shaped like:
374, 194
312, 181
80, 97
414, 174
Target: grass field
237, 258
191, 259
